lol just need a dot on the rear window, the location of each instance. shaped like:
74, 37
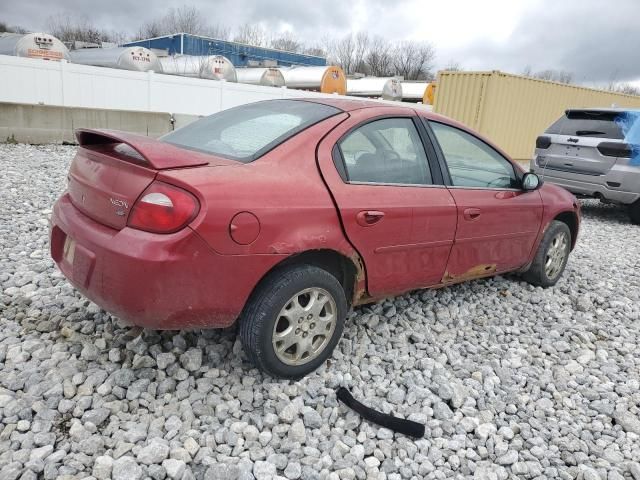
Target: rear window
249, 131
588, 124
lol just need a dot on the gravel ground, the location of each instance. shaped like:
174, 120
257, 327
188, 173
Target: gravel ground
512, 381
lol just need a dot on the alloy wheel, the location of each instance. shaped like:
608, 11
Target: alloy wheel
556, 255
304, 326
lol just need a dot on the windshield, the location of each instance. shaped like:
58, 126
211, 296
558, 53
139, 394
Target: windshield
588, 124
249, 131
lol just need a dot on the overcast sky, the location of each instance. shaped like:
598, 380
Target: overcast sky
597, 40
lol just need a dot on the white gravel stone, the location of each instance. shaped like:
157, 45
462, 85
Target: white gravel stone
297, 432
175, 468
102, 467
155, 452
511, 381
126, 468
264, 470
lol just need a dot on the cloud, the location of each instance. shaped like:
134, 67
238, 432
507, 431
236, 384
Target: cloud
596, 40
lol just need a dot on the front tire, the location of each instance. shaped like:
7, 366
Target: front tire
293, 321
551, 257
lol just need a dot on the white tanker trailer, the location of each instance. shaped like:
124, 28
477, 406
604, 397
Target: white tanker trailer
213, 67
415, 92
33, 45
329, 79
125, 58
270, 77
375, 87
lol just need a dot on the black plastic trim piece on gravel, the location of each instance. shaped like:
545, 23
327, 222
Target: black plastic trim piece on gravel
400, 425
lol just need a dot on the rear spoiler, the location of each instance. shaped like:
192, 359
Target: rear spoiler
585, 113
159, 155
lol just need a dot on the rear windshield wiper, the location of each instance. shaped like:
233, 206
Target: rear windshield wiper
581, 133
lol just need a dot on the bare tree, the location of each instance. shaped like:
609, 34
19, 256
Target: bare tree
184, 19
378, 59
218, 31
251, 34
287, 42
150, 29
350, 52
622, 87
361, 48
70, 28
413, 60
561, 76
315, 50
341, 52
453, 66
4, 27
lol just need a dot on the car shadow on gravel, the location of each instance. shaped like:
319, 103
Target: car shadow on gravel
606, 212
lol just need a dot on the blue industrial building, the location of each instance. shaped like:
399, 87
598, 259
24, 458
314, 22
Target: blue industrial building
241, 55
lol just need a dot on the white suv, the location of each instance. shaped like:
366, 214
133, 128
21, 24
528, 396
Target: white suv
594, 153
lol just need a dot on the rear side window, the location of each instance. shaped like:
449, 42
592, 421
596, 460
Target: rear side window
386, 151
588, 124
249, 131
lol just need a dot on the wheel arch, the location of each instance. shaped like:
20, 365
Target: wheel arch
348, 270
570, 218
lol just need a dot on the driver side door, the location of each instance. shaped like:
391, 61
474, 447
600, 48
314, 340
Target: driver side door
497, 221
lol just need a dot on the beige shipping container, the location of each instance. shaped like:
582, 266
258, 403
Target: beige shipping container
513, 110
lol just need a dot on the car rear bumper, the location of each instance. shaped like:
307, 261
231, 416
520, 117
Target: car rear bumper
621, 184
173, 281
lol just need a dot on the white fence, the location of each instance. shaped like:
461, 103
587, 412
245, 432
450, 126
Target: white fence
34, 81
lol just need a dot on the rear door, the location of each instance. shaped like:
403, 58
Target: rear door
574, 139
498, 222
388, 189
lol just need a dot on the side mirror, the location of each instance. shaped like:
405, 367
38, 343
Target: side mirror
531, 182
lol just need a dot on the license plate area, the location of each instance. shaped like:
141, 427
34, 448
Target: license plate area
572, 151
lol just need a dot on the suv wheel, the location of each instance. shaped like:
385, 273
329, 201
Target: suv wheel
634, 212
551, 257
293, 321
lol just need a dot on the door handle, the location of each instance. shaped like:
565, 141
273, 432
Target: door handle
471, 213
366, 218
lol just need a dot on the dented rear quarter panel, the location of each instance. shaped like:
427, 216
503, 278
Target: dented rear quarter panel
284, 191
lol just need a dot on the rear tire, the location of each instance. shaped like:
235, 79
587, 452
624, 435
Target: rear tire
551, 257
293, 321
634, 212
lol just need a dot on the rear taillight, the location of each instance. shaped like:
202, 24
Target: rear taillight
163, 208
615, 149
543, 142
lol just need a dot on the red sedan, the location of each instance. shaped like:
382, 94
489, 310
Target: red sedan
285, 213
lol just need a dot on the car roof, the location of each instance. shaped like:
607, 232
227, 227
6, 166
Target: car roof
601, 110
344, 104
351, 104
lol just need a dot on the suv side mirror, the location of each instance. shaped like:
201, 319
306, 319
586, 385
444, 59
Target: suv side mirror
531, 182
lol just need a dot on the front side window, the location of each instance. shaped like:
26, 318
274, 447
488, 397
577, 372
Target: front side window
471, 162
387, 151
246, 132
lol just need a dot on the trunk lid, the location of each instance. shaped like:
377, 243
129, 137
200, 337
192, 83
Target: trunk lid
112, 169
577, 155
